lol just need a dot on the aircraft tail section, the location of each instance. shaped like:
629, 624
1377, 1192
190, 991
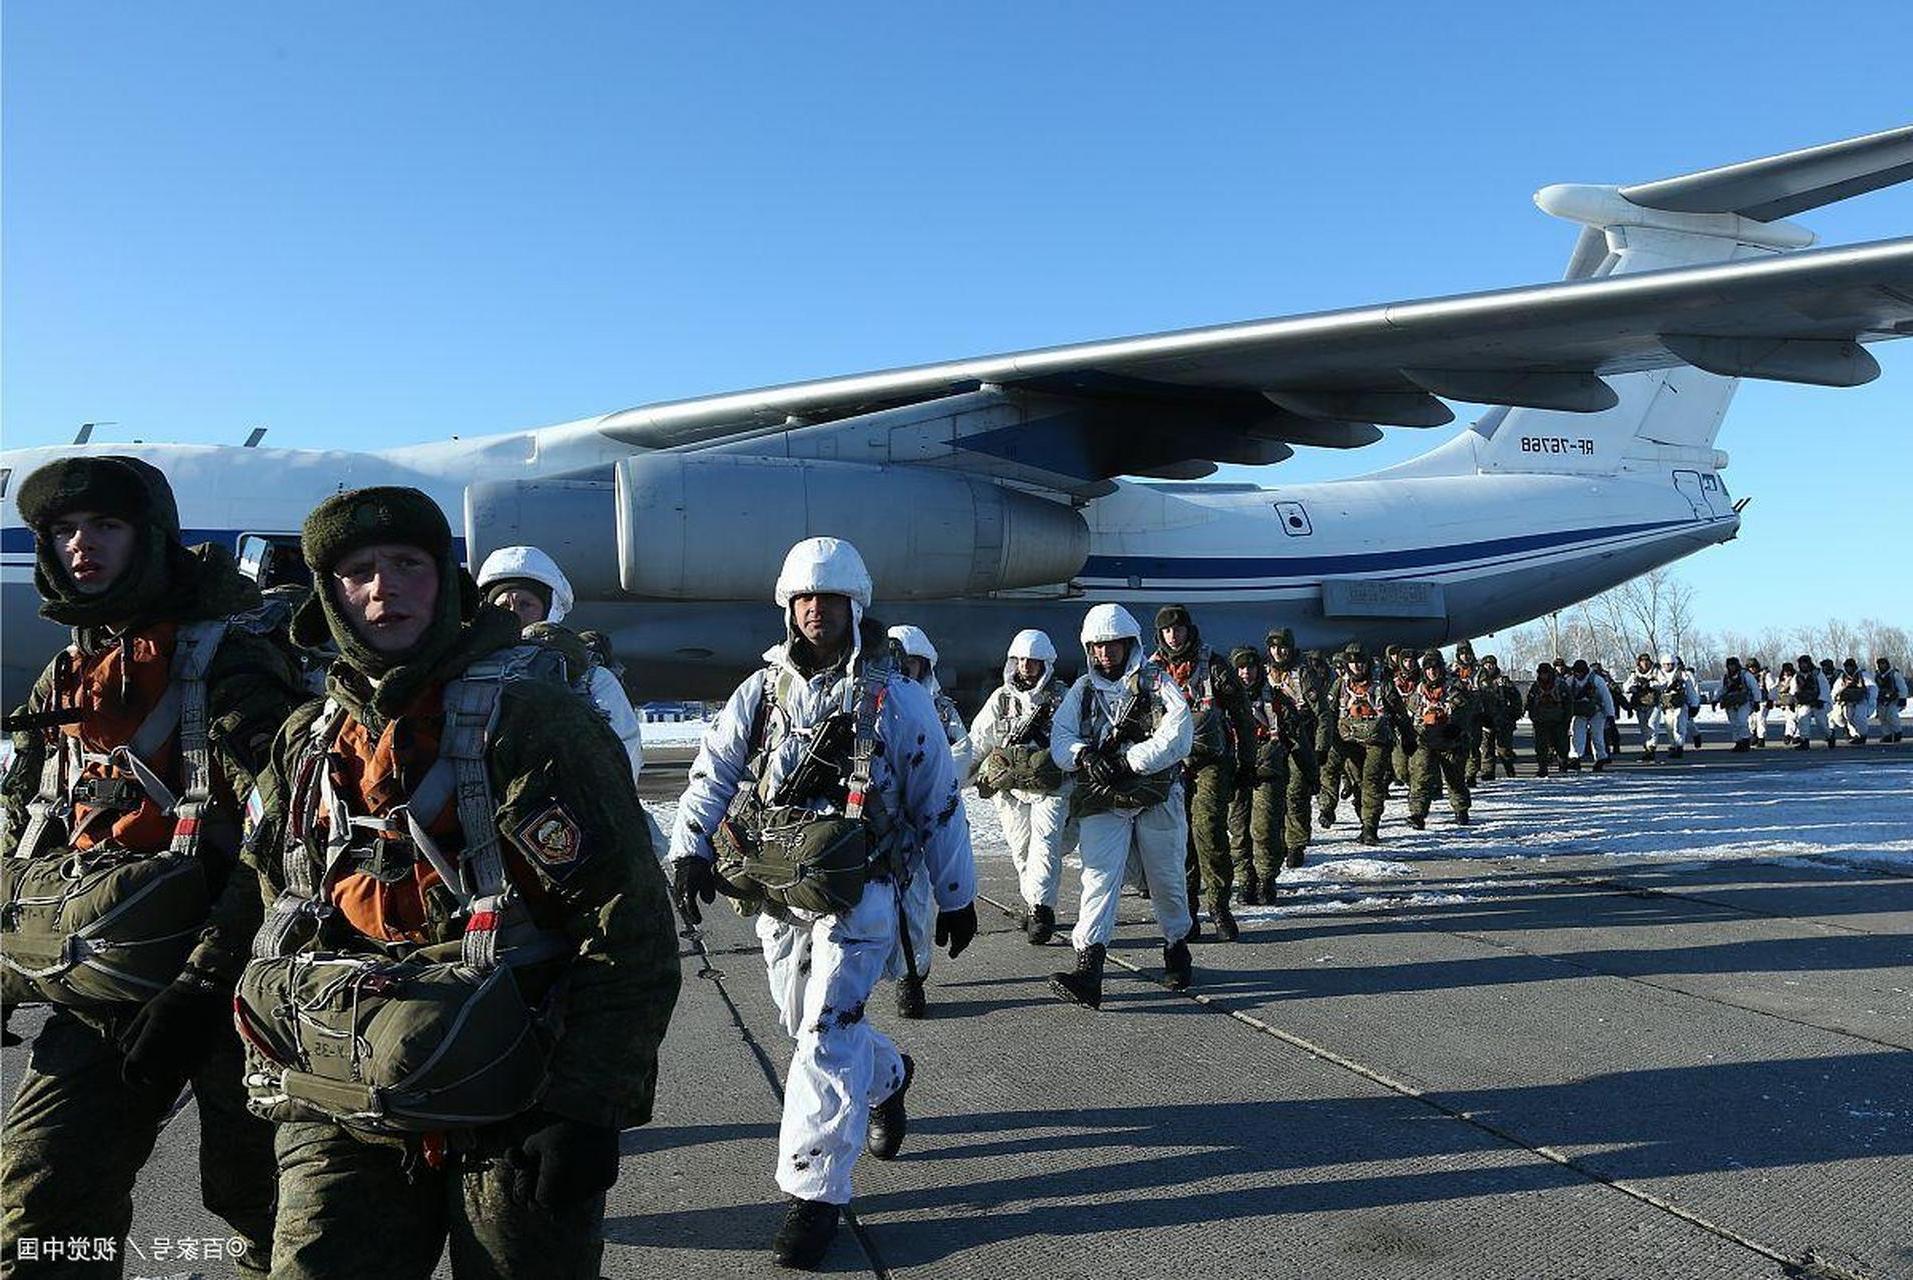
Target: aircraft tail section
1660, 416
1670, 416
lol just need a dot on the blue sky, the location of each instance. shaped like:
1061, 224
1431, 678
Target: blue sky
367, 224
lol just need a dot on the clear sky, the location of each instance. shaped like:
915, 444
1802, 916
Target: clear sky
365, 224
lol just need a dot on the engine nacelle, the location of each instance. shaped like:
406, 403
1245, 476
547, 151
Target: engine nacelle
716, 527
574, 519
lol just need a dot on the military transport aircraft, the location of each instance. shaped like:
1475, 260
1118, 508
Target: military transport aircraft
1008, 491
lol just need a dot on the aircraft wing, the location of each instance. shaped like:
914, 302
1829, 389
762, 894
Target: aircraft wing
1692, 270
1323, 379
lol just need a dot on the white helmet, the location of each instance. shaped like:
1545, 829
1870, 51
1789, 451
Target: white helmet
828, 566
1109, 622
529, 562
1670, 660
1112, 622
915, 643
1032, 644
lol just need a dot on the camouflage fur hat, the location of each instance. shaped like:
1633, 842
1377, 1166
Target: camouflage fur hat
359, 518
111, 484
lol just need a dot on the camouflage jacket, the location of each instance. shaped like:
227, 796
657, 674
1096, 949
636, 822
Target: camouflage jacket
250, 687
550, 754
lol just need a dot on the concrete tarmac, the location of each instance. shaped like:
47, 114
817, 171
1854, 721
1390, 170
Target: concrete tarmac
1577, 1067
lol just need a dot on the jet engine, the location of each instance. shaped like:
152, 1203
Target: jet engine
716, 526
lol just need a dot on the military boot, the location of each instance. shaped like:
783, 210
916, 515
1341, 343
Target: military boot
1541, 769
910, 1001
1293, 858
1042, 925
1600, 766
1647, 755
1507, 766
888, 1123
1226, 927
1251, 889
1084, 984
1178, 971
1419, 821
1369, 836
806, 1234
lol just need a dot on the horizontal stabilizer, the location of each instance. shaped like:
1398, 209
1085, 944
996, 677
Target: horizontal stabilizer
1783, 185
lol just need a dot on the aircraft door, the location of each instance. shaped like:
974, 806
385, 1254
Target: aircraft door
1714, 491
1688, 482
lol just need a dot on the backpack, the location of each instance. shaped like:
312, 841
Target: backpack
1126, 727
774, 849
444, 1037
111, 926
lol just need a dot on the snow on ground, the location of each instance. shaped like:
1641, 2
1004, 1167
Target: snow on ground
1858, 815
674, 733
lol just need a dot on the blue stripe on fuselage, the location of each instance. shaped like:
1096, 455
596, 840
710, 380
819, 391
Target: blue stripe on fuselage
1153, 568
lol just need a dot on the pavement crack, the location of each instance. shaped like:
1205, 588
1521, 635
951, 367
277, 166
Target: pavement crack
1790, 1264
1668, 987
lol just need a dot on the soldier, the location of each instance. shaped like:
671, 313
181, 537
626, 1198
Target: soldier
1123, 730
530, 584
920, 665
1852, 702
1811, 693
1549, 704
1440, 708
452, 836
1500, 701
1592, 702
1829, 676
1257, 821
1677, 696
1891, 688
822, 765
1763, 703
1739, 694
1787, 694
1224, 740
134, 753
1467, 669
1641, 694
1363, 734
1289, 673
1404, 675
1010, 741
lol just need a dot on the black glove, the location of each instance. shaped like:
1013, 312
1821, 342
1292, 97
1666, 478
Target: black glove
1106, 767
956, 928
558, 1163
173, 1032
692, 879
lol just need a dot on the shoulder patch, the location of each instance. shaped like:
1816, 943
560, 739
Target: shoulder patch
552, 838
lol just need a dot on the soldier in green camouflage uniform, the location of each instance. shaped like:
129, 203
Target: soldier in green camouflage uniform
1467, 669
1441, 706
1288, 672
1363, 734
1256, 819
101, 1082
524, 1197
1223, 754
1550, 704
1500, 709
1402, 678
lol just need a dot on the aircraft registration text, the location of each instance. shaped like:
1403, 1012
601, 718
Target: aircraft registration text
1557, 444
